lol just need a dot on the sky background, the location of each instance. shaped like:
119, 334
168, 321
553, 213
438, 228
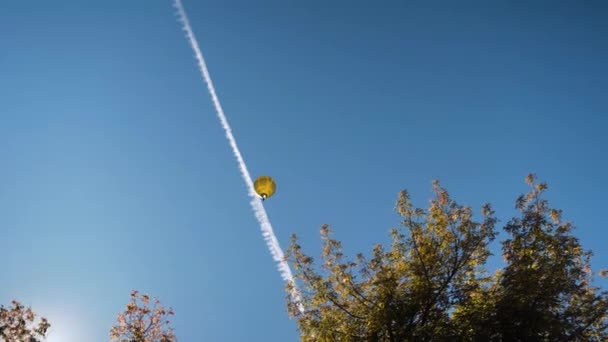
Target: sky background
115, 173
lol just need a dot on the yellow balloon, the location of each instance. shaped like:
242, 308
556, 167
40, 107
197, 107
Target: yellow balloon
265, 186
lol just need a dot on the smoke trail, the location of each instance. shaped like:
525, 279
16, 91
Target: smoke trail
256, 203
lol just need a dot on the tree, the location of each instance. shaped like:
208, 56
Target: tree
143, 323
17, 324
544, 293
430, 284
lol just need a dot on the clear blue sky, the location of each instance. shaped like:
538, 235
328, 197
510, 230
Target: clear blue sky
115, 173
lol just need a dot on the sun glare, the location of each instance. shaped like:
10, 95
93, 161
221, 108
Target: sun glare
65, 327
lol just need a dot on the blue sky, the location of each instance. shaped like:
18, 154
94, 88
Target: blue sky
116, 174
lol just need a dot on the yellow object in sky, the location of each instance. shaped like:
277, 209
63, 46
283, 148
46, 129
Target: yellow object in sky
265, 186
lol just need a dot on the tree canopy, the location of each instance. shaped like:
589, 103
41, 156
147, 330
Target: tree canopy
18, 324
144, 320
431, 284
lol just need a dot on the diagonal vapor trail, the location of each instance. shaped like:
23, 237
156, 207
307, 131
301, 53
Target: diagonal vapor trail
256, 203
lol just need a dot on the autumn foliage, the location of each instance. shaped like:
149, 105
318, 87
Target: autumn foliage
431, 284
17, 324
143, 322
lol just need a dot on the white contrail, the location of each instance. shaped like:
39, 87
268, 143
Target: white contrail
256, 203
